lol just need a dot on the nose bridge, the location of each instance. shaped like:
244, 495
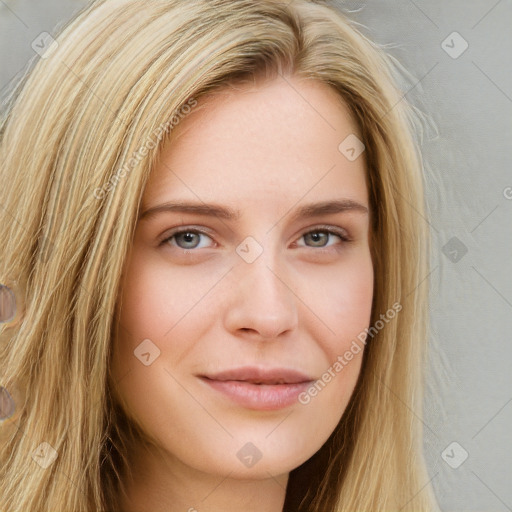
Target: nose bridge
264, 276
262, 300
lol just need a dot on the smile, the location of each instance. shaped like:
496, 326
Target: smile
259, 389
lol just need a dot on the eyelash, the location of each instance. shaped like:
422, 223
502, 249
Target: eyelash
318, 229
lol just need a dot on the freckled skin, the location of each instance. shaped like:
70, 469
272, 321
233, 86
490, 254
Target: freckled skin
265, 151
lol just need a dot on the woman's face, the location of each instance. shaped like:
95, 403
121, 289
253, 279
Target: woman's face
249, 277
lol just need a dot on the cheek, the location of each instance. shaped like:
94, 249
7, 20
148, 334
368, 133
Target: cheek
343, 300
148, 309
157, 304
351, 303
156, 298
154, 308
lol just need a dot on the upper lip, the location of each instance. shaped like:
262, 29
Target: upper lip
258, 375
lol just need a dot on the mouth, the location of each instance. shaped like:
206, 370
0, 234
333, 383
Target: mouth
257, 388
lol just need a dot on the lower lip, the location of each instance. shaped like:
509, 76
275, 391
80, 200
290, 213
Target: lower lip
262, 397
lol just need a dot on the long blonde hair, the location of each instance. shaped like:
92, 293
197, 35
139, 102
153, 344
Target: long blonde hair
70, 197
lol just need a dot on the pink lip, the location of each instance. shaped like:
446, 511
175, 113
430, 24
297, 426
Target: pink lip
264, 389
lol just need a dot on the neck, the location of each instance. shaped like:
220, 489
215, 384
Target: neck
159, 483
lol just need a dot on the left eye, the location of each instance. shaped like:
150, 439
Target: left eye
319, 238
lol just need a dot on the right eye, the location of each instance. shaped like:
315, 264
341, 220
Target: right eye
186, 239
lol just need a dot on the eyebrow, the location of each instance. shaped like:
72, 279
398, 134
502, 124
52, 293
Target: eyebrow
223, 212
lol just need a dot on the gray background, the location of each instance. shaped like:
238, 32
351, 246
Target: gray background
467, 102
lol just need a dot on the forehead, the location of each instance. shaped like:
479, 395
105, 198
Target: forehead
261, 143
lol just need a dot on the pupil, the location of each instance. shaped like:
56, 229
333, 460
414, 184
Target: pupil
188, 240
318, 237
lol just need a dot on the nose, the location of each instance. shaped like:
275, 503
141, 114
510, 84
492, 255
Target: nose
261, 303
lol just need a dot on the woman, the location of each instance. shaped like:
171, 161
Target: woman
218, 247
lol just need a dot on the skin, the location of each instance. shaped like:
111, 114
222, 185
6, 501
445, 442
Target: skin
265, 150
